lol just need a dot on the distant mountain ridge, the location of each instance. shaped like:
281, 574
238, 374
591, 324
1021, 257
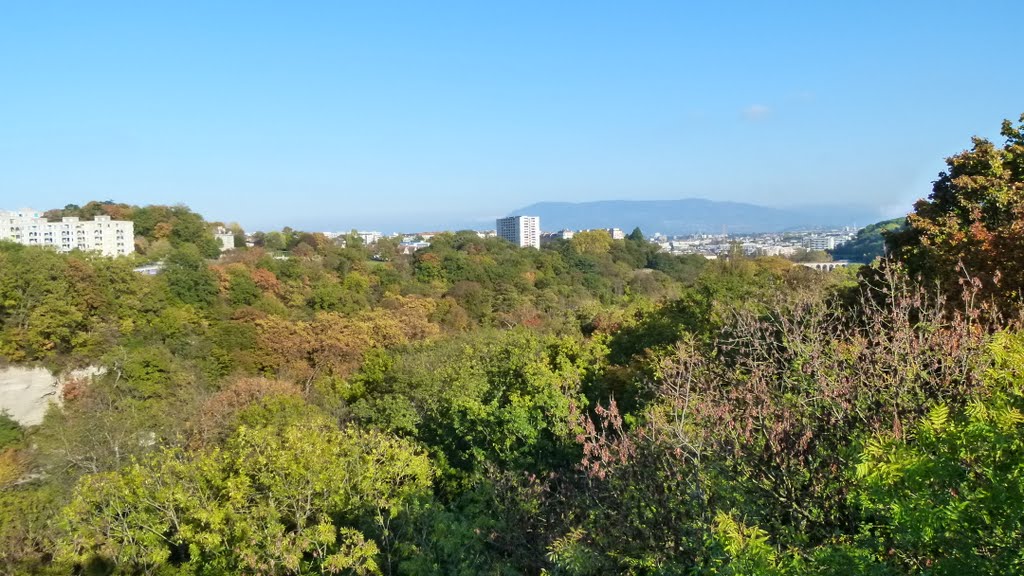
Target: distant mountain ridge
693, 216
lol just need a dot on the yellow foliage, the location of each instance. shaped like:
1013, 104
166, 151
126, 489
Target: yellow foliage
12, 467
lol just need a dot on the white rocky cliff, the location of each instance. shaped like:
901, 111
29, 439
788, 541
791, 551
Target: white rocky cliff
26, 393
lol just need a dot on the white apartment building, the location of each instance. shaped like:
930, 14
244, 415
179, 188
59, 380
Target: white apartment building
101, 234
369, 238
820, 243
549, 237
225, 237
523, 231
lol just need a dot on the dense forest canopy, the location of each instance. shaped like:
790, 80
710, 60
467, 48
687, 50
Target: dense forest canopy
594, 407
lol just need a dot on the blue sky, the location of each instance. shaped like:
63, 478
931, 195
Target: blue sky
333, 115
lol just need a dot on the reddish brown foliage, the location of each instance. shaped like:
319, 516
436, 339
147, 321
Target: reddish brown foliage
335, 343
266, 280
973, 221
217, 412
74, 388
781, 396
604, 442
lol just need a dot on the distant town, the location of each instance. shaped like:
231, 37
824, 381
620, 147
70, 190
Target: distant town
115, 237
525, 231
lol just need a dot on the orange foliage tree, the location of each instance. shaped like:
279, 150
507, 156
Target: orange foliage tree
973, 223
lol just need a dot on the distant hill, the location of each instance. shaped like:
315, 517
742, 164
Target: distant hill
691, 216
869, 242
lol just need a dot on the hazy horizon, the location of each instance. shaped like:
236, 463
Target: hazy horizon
332, 116
443, 221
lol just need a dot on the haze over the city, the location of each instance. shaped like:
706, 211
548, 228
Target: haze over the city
327, 115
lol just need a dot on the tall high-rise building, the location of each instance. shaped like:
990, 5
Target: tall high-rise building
101, 234
523, 231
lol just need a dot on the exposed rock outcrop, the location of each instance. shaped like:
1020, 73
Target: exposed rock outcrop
26, 392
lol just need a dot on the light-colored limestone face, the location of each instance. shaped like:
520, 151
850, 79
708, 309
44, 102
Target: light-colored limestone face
26, 393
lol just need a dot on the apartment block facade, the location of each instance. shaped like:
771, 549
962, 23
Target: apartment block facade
225, 238
523, 231
820, 243
101, 234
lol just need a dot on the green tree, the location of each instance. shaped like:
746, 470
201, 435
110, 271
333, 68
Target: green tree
27, 529
302, 499
190, 228
274, 241
188, 277
242, 290
949, 497
10, 431
491, 398
802, 255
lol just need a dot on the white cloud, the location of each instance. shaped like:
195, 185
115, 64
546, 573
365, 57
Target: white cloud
756, 112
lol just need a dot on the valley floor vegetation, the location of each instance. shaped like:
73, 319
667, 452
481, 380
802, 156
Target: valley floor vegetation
593, 407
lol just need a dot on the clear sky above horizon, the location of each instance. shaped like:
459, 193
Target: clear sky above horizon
387, 115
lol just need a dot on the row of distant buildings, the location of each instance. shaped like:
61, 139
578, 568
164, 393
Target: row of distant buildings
524, 231
117, 237
761, 244
102, 234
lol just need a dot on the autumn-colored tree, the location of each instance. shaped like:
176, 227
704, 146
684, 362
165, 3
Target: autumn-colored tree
266, 280
333, 343
219, 411
972, 224
761, 423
